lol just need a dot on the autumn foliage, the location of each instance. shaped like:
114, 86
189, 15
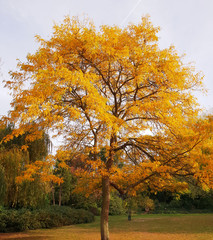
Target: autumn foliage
124, 106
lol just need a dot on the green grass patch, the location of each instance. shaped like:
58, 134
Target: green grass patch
159, 223
146, 227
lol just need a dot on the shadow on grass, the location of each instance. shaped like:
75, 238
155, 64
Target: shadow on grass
10, 237
193, 224
158, 223
31, 238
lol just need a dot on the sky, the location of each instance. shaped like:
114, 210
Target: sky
186, 24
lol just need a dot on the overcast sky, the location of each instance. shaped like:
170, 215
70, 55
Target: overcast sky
186, 24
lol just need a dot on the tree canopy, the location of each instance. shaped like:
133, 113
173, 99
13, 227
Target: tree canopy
124, 106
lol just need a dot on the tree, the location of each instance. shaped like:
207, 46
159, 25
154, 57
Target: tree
2, 185
124, 107
205, 173
13, 161
64, 189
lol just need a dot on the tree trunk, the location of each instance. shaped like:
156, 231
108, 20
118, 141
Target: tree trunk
129, 209
53, 195
129, 214
59, 196
105, 208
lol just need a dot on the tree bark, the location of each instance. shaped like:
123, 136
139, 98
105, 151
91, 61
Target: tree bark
53, 195
129, 214
129, 209
106, 194
59, 196
105, 208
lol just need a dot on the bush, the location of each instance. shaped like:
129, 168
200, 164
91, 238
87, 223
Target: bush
148, 204
116, 205
55, 216
95, 210
12, 221
91, 203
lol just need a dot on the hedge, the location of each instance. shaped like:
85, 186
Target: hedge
55, 216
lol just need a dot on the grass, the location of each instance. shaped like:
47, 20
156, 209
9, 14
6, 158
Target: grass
142, 227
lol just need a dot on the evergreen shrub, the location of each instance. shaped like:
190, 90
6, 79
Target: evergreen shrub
54, 216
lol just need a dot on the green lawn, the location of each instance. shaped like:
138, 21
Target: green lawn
142, 227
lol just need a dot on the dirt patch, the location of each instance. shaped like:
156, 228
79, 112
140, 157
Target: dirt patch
13, 235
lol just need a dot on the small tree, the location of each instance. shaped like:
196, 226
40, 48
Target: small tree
63, 190
112, 89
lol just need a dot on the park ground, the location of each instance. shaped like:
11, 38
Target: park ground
142, 227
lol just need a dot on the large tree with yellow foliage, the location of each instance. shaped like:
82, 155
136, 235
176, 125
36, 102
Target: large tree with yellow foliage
124, 106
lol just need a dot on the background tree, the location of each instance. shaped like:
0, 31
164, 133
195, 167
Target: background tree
2, 185
111, 89
13, 160
63, 191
